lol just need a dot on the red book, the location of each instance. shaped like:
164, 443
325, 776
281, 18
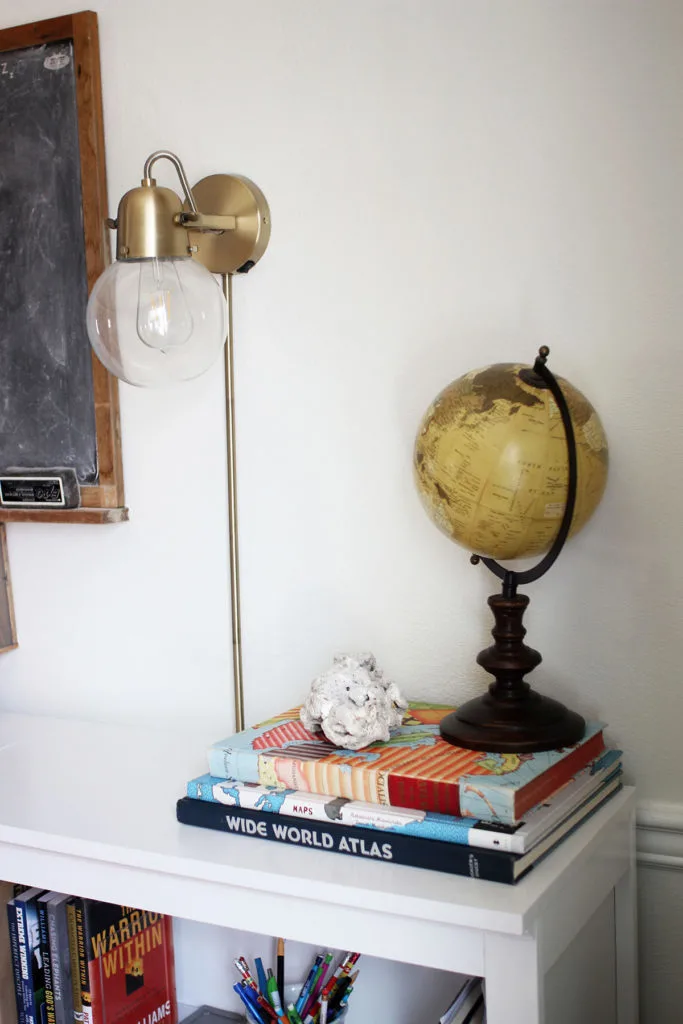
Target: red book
415, 768
130, 966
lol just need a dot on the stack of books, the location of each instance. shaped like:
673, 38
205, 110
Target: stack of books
81, 960
415, 799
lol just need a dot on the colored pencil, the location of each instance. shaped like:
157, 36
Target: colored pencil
281, 970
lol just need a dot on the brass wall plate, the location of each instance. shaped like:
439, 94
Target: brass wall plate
231, 252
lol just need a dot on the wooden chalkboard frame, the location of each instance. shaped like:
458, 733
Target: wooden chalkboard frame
8, 632
103, 502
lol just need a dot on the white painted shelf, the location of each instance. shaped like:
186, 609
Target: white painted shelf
90, 809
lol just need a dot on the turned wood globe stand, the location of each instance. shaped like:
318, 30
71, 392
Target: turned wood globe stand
511, 717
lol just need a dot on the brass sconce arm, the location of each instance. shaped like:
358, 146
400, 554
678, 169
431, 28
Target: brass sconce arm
165, 154
205, 221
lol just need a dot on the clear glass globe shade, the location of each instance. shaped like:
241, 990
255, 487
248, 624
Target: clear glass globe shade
155, 322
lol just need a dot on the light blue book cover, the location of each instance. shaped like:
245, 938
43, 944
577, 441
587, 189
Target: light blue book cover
406, 821
415, 768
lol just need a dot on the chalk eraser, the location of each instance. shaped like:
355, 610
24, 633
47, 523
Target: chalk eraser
39, 488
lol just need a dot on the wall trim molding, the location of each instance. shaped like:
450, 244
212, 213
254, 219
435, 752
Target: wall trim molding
659, 835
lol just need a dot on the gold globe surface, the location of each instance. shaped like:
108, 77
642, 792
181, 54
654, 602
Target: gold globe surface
491, 463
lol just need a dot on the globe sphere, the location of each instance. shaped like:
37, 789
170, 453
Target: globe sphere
491, 465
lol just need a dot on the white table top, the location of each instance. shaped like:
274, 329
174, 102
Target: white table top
105, 796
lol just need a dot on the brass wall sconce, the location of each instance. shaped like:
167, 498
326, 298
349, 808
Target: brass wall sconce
157, 315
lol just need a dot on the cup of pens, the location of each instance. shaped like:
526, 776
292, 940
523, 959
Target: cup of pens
322, 998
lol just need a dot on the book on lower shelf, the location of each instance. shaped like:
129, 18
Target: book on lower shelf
8, 955
415, 768
80, 960
129, 967
60, 959
30, 993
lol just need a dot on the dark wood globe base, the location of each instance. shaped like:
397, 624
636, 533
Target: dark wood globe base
511, 718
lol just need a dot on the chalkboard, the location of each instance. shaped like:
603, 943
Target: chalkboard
47, 412
58, 405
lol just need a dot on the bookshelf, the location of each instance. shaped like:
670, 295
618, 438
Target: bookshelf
90, 809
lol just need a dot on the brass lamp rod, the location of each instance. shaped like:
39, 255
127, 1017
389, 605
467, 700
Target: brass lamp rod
235, 605
165, 154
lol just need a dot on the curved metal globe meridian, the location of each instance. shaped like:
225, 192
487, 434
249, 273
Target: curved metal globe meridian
512, 578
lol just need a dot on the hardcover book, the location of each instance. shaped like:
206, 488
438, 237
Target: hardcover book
415, 768
48, 1011
11, 1003
74, 918
355, 841
130, 967
407, 821
60, 959
30, 959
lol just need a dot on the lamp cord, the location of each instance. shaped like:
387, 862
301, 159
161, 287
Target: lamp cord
232, 511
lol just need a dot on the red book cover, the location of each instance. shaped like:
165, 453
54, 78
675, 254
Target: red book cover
131, 972
414, 768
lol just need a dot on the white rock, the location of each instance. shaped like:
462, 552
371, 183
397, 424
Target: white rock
353, 703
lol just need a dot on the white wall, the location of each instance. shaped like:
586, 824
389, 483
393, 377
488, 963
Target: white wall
452, 184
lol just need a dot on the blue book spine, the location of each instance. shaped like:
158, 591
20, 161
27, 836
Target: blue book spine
351, 840
24, 944
317, 807
16, 963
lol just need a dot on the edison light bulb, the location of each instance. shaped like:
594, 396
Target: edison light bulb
164, 317
157, 321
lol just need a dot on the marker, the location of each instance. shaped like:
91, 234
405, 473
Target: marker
306, 987
292, 1015
261, 975
317, 984
251, 1012
249, 983
263, 1004
274, 997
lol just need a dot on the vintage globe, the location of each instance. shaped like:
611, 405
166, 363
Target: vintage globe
491, 461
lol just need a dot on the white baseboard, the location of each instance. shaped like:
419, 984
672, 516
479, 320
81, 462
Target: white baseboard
659, 835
